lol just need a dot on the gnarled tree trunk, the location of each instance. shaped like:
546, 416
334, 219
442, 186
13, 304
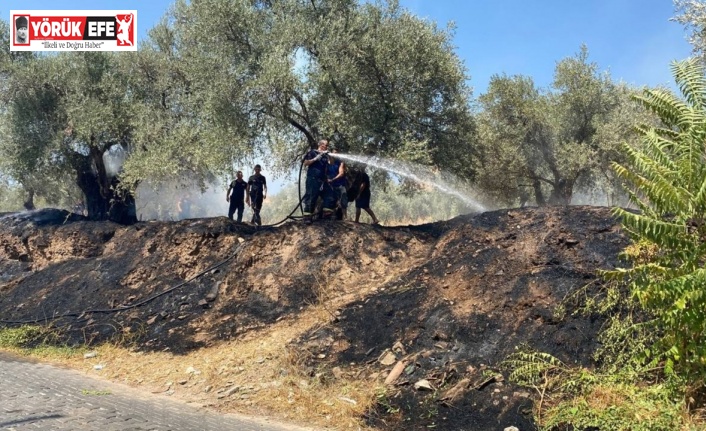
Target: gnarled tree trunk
102, 200
562, 192
29, 201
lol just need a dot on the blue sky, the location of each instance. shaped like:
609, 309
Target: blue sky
633, 39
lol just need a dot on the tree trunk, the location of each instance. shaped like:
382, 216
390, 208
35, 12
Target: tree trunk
562, 192
96, 205
538, 195
29, 202
103, 203
122, 208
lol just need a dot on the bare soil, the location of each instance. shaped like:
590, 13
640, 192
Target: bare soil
445, 302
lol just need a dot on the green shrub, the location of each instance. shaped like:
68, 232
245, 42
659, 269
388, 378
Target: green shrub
666, 178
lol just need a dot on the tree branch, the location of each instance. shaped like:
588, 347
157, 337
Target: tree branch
309, 136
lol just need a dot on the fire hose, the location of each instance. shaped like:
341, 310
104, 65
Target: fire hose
157, 295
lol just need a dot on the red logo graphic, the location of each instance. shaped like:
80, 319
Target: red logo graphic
126, 33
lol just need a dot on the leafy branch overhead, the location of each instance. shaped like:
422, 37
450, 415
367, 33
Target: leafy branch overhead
270, 79
220, 83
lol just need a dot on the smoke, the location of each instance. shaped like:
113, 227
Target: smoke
113, 159
161, 202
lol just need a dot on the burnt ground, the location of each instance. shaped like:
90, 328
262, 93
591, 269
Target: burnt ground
444, 302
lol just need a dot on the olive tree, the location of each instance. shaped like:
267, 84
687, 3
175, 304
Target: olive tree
544, 143
64, 116
241, 78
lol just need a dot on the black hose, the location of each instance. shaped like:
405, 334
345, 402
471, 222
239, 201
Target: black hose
301, 198
125, 307
171, 289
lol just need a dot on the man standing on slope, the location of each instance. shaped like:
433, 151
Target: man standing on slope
237, 198
256, 193
316, 162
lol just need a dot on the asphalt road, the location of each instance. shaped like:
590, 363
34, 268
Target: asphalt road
36, 396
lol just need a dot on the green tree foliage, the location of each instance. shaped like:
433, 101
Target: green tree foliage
546, 143
221, 83
667, 180
692, 14
231, 79
64, 116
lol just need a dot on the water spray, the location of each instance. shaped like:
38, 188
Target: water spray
445, 182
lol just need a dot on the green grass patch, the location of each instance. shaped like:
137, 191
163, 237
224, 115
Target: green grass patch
36, 341
21, 337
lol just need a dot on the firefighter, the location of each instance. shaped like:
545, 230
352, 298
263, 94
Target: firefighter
236, 199
256, 193
316, 162
336, 174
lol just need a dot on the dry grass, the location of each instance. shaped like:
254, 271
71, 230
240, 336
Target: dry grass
258, 374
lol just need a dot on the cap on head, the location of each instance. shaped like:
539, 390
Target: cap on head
21, 22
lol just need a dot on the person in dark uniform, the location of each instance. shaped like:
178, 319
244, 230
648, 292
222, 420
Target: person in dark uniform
237, 198
316, 162
336, 173
362, 201
256, 193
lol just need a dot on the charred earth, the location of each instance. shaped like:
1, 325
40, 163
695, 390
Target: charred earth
439, 305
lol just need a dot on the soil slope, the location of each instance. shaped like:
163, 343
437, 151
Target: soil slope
445, 302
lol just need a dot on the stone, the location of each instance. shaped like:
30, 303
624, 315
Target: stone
423, 385
398, 347
395, 373
388, 359
228, 392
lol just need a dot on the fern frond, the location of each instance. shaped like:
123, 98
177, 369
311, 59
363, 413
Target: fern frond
530, 368
673, 111
660, 191
699, 201
658, 147
639, 202
689, 75
640, 271
678, 293
664, 234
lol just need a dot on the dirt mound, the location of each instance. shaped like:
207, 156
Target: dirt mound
442, 303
